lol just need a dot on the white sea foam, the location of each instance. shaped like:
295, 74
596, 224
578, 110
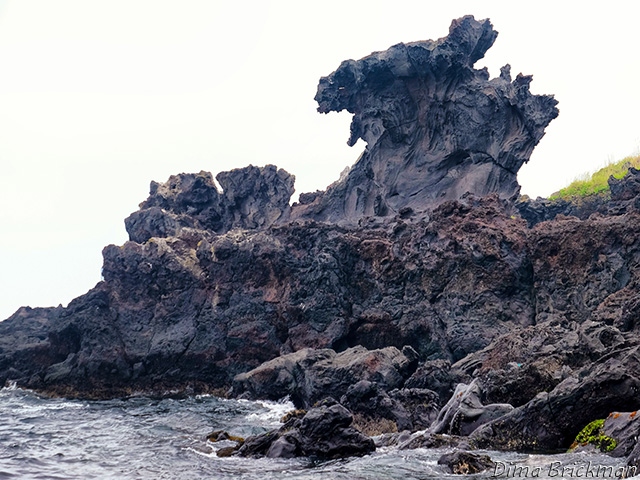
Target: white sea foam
272, 413
11, 386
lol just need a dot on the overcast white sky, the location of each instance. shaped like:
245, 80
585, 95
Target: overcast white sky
99, 97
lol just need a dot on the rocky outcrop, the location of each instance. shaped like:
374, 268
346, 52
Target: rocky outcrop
324, 432
309, 375
191, 311
552, 420
435, 127
251, 198
214, 282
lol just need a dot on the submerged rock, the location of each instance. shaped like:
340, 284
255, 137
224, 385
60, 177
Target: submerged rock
466, 463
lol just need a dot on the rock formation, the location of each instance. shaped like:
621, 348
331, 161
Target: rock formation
464, 412
435, 127
324, 432
310, 375
415, 272
251, 198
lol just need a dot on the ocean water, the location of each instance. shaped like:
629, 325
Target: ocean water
144, 438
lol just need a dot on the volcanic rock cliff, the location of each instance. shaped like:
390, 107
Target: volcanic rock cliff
414, 272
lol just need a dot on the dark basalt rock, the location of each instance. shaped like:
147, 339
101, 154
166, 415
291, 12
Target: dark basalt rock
410, 409
190, 312
426, 439
466, 463
251, 198
465, 412
396, 282
439, 376
552, 420
214, 283
435, 127
517, 366
421, 404
325, 432
308, 375
624, 428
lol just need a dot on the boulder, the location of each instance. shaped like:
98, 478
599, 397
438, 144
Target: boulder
409, 409
624, 428
465, 463
551, 421
325, 432
422, 405
308, 375
464, 412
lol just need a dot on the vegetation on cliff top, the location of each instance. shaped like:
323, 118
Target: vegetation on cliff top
596, 183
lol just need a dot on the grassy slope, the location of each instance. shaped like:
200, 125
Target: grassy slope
597, 182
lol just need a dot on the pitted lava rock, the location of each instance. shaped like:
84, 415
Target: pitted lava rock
415, 272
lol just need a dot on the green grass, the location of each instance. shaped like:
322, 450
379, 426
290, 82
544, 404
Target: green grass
596, 183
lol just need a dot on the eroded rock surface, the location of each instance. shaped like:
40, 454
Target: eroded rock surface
324, 432
435, 127
552, 420
251, 198
464, 412
412, 274
309, 375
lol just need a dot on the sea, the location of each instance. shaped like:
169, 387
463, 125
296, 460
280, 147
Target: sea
147, 438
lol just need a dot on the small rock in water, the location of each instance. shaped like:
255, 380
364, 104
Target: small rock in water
465, 463
324, 432
220, 435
